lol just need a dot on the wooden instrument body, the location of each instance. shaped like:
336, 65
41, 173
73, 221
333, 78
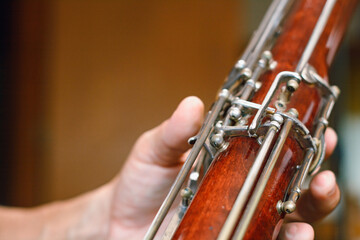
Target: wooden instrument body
223, 181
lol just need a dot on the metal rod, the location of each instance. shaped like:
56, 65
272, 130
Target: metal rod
315, 36
175, 188
252, 105
245, 94
263, 180
319, 131
174, 222
325, 113
258, 41
304, 169
266, 31
240, 201
265, 21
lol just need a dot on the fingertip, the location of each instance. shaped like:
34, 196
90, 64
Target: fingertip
294, 231
325, 193
331, 141
171, 137
323, 185
192, 100
166, 143
189, 112
186, 119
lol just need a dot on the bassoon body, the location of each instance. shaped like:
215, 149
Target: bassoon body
264, 133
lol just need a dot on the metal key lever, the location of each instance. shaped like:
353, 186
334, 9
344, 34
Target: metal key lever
281, 77
289, 205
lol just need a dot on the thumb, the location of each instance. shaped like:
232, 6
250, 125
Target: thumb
152, 165
165, 144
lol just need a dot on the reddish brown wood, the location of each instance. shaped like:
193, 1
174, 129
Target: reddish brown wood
219, 189
208, 212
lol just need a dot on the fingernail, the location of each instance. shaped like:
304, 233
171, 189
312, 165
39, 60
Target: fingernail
325, 183
332, 183
291, 231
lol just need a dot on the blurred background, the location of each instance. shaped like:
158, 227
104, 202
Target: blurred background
81, 80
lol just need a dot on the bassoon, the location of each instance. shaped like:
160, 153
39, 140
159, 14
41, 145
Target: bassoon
265, 132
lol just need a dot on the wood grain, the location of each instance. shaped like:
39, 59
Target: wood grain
213, 202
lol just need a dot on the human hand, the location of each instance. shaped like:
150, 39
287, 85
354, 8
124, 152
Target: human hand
150, 170
156, 159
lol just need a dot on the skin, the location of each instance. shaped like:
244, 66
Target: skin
125, 207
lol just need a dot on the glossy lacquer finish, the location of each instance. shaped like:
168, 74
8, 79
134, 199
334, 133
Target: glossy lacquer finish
213, 202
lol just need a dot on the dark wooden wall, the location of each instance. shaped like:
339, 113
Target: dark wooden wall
22, 75
85, 78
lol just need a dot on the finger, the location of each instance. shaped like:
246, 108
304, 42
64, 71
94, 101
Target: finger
165, 144
330, 140
296, 231
153, 164
317, 202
